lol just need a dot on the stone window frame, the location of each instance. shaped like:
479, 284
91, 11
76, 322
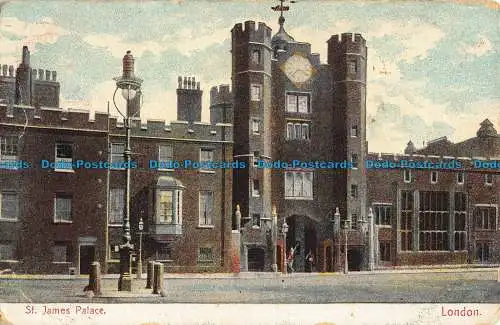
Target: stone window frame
3, 194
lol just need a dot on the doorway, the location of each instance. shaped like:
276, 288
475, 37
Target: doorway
87, 256
354, 258
256, 260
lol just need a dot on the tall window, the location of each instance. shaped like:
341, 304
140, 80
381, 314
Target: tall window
117, 153
255, 126
62, 208
385, 251
206, 155
61, 252
460, 178
298, 103
64, 156
434, 177
255, 188
206, 217
298, 131
483, 252
255, 220
460, 221
488, 179
406, 220
166, 209
354, 191
354, 131
7, 250
165, 152
433, 221
255, 92
354, 160
116, 205
354, 221
9, 206
8, 148
298, 185
485, 217
256, 56
407, 175
382, 214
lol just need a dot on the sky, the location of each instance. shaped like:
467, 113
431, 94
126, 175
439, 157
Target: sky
433, 66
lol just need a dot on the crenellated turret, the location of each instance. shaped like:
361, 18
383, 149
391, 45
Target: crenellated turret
221, 105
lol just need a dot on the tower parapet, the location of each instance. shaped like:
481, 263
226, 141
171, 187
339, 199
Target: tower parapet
248, 32
221, 105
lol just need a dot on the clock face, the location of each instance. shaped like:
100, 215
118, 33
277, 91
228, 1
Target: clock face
298, 69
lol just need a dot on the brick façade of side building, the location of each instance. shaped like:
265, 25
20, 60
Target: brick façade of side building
58, 219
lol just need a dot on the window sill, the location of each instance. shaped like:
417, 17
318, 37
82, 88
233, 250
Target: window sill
114, 225
255, 227
8, 220
9, 261
383, 226
70, 171
298, 198
61, 262
205, 226
117, 168
206, 171
165, 169
165, 261
62, 222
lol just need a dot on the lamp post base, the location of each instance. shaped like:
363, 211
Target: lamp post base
125, 282
139, 270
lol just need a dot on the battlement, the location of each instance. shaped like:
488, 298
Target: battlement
467, 161
249, 31
347, 38
220, 95
79, 120
43, 75
188, 83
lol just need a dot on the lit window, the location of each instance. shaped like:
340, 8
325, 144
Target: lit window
434, 177
9, 206
62, 208
64, 156
255, 93
168, 206
116, 205
166, 211
206, 155
206, 209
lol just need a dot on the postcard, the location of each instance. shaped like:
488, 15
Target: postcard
249, 162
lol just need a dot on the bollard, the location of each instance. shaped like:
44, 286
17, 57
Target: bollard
95, 278
498, 275
149, 280
158, 278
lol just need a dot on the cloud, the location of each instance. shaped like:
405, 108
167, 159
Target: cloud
16, 33
117, 46
416, 38
481, 47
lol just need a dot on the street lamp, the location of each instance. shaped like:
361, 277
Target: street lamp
371, 241
336, 231
129, 86
274, 225
347, 225
139, 262
284, 230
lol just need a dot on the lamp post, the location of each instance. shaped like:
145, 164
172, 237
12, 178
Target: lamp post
347, 225
274, 225
336, 234
284, 230
139, 263
371, 241
129, 86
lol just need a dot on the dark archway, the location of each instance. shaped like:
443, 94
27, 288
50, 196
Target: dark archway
354, 258
256, 259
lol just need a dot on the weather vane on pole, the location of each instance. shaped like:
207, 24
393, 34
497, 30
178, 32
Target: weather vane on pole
282, 8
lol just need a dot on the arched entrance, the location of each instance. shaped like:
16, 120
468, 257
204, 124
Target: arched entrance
256, 259
354, 258
303, 235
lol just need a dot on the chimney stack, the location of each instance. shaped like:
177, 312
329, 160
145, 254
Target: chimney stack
188, 99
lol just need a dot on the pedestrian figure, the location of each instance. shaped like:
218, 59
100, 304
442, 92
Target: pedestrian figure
289, 260
310, 261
